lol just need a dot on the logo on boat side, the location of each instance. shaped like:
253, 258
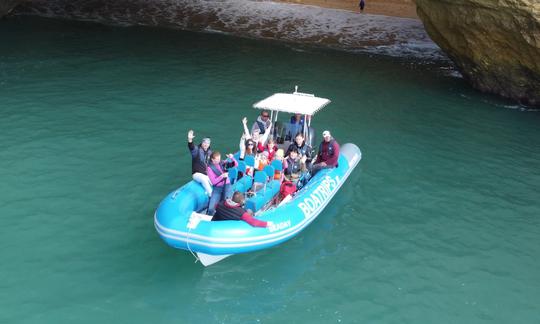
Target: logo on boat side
279, 226
318, 196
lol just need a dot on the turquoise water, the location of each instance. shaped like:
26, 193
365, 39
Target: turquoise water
438, 224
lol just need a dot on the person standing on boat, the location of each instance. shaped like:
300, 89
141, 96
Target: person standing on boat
304, 150
262, 123
233, 209
296, 126
328, 154
219, 177
200, 156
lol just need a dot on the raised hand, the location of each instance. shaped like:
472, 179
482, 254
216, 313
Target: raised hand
244, 121
190, 135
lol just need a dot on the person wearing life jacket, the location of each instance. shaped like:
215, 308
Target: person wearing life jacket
219, 177
328, 154
233, 209
200, 156
270, 147
295, 166
262, 123
295, 126
304, 150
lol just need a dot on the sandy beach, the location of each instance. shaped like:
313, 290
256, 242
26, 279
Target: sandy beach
395, 8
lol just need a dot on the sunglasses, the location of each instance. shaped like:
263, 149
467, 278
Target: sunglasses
251, 144
266, 116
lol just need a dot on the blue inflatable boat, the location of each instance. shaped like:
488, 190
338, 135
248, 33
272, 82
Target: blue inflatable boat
180, 223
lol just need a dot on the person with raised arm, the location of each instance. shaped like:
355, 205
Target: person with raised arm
200, 156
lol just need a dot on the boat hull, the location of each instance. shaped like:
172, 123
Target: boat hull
179, 225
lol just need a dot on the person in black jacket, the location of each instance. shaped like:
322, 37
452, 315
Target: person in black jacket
304, 150
233, 209
296, 166
200, 156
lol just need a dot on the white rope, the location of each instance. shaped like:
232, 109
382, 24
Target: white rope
189, 247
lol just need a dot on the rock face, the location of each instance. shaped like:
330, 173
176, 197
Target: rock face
495, 44
6, 6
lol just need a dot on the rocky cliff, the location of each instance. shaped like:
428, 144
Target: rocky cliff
7, 5
495, 44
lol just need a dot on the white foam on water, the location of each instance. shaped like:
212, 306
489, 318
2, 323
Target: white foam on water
305, 24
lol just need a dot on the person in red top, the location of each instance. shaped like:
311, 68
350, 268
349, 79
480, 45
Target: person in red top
270, 147
232, 209
328, 154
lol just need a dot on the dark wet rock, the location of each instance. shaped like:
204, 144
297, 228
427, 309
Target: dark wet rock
6, 6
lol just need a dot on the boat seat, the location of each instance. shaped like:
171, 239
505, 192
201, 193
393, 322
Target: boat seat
242, 167
233, 174
263, 197
277, 164
243, 184
269, 170
259, 180
266, 190
250, 161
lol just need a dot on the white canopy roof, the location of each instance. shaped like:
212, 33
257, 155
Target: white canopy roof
295, 103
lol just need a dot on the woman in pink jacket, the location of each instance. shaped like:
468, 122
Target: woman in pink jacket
219, 177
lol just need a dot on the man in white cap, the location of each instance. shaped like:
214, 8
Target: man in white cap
328, 154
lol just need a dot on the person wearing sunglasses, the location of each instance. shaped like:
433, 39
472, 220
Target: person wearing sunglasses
259, 141
262, 123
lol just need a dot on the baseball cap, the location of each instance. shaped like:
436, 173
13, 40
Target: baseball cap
206, 140
326, 133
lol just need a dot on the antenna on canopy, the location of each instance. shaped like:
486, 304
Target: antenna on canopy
295, 89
